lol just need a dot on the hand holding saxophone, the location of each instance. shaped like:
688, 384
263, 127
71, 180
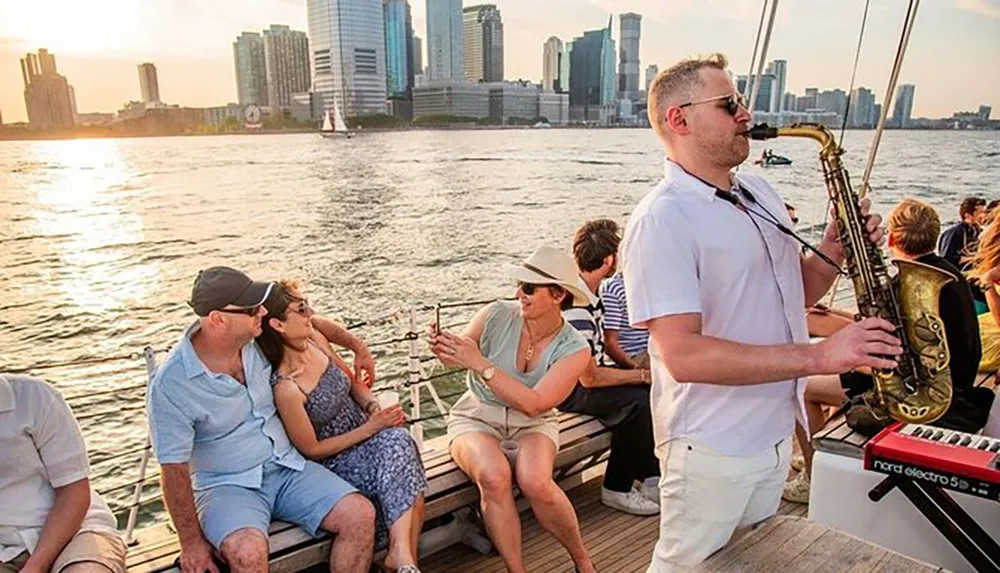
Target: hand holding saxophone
873, 226
868, 342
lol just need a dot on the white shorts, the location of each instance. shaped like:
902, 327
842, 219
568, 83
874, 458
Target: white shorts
705, 496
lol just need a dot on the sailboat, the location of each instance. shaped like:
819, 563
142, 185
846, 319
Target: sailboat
336, 127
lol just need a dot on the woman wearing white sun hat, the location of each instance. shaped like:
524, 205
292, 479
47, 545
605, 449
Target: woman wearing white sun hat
523, 359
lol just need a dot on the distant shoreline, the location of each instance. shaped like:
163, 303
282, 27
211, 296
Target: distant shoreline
7, 134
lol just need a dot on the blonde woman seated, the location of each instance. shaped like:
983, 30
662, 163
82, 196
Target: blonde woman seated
523, 360
986, 271
335, 420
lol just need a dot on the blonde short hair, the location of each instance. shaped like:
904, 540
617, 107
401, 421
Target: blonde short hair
914, 227
679, 82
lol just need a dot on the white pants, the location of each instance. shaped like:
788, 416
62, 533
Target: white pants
705, 496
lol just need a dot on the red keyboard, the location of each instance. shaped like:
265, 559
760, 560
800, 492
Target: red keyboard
962, 462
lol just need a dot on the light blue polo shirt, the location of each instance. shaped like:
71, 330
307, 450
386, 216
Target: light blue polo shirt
226, 431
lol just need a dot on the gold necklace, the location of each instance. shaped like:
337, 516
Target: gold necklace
530, 351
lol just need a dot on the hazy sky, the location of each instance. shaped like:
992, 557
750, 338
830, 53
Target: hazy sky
953, 57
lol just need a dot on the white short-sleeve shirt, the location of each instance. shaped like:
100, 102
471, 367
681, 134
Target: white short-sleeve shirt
687, 251
41, 448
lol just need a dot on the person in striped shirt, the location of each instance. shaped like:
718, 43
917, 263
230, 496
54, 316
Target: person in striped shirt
626, 346
619, 398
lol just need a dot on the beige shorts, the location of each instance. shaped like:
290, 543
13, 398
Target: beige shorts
101, 547
471, 415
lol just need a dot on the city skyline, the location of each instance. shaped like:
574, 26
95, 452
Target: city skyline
99, 53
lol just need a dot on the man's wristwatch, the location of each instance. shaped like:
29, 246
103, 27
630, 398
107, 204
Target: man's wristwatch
488, 373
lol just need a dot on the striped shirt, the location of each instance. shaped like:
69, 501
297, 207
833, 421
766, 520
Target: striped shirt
589, 321
632, 340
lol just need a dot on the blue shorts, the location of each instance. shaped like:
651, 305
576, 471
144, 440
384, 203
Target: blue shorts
300, 497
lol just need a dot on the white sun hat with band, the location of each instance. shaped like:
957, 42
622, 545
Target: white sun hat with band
549, 265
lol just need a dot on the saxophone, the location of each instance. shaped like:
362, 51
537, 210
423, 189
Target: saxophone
919, 389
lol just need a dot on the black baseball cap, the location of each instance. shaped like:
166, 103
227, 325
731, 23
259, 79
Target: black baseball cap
217, 287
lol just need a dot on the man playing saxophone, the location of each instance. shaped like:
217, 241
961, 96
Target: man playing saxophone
723, 290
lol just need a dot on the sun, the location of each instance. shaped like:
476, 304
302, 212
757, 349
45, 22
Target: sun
72, 27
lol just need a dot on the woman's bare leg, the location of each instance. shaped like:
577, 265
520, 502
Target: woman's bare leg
549, 503
402, 539
478, 454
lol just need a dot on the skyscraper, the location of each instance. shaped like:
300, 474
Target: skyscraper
347, 40
765, 94
398, 47
592, 77
862, 109
483, 49
48, 97
251, 69
904, 105
779, 69
445, 40
832, 100
286, 57
149, 85
418, 55
628, 64
564, 66
551, 56
652, 70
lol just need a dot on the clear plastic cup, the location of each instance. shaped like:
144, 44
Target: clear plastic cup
510, 449
387, 398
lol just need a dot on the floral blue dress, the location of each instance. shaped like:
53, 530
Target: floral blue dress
386, 468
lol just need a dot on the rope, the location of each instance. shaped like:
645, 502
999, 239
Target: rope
763, 57
904, 39
854, 73
119, 455
753, 58
405, 338
150, 478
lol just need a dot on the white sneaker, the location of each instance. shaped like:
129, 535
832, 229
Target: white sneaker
797, 489
650, 492
631, 502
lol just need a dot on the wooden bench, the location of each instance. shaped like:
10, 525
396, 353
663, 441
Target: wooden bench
584, 443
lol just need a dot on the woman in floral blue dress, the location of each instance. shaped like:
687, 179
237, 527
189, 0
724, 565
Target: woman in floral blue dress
337, 422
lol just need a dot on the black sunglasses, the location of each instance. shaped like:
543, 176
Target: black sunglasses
733, 103
530, 288
249, 311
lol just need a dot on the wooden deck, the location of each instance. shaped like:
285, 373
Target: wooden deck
617, 541
795, 545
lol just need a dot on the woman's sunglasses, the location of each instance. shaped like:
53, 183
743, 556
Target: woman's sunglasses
301, 306
530, 288
733, 103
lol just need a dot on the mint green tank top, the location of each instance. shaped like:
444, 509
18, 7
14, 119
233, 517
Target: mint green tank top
498, 344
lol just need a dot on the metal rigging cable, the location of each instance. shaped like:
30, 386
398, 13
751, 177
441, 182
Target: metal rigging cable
854, 72
904, 39
756, 45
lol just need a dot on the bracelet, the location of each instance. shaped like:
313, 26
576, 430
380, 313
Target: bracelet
369, 406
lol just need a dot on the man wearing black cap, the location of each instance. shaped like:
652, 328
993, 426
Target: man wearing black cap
227, 465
